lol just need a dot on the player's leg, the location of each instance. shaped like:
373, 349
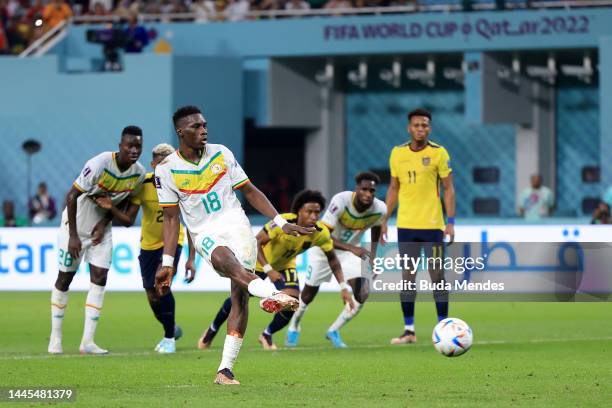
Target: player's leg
408, 246
307, 295
236, 327
435, 250
360, 294
291, 286
67, 267
93, 308
355, 276
225, 262
209, 334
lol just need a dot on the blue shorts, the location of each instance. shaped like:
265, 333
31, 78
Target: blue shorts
412, 241
150, 260
289, 279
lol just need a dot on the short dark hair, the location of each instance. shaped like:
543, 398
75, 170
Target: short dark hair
131, 130
184, 111
367, 175
419, 112
307, 196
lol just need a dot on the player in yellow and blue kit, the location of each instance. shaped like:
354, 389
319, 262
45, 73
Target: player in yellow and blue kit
276, 256
417, 170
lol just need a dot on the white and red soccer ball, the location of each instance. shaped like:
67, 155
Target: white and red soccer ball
452, 337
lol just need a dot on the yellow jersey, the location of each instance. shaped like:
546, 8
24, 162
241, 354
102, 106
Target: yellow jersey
419, 175
282, 249
151, 233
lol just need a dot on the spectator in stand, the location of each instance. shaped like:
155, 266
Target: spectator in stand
270, 5
4, 49
98, 9
203, 9
537, 201
136, 36
55, 12
42, 205
107, 5
601, 215
338, 4
9, 219
297, 5
237, 10
123, 10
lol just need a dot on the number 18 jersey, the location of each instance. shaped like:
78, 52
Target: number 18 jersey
204, 190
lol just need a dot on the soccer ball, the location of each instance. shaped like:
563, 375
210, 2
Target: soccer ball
452, 337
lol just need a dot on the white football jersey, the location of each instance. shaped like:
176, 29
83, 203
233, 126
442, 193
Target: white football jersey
101, 177
348, 224
205, 190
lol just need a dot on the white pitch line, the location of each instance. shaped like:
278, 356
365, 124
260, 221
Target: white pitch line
296, 349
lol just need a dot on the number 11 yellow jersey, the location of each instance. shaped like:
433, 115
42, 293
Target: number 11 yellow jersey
419, 175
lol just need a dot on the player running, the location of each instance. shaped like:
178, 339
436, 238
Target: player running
151, 249
348, 216
85, 233
276, 256
417, 167
198, 181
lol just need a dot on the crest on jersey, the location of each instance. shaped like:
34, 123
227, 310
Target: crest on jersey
216, 168
426, 161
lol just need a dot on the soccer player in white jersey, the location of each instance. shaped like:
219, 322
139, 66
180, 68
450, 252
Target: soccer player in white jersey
198, 181
348, 216
85, 232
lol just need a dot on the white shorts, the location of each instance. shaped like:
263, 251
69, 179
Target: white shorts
319, 270
236, 235
99, 255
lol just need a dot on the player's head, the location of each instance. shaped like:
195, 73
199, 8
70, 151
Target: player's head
536, 181
419, 124
42, 188
130, 146
308, 205
191, 127
365, 188
160, 152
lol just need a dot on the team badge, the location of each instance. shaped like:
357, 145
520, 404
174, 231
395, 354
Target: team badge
426, 161
216, 168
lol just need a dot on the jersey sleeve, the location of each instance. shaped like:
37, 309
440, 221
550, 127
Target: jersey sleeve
393, 163
90, 174
324, 240
237, 175
137, 191
444, 165
136, 196
167, 193
383, 212
272, 229
330, 218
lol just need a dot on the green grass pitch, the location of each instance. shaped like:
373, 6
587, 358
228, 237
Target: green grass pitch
524, 354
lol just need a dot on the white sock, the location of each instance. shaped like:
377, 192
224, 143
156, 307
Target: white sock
59, 301
171, 339
231, 347
346, 316
409, 327
93, 307
261, 288
294, 324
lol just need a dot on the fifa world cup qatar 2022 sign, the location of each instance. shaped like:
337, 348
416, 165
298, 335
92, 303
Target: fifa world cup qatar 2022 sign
481, 28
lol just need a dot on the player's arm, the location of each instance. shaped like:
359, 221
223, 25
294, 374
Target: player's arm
391, 201
262, 239
190, 269
449, 205
126, 218
356, 250
74, 242
336, 268
261, 203
375, 233
163, 277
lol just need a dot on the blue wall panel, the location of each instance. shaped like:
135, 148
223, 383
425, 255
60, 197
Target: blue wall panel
377, 121
577, 145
